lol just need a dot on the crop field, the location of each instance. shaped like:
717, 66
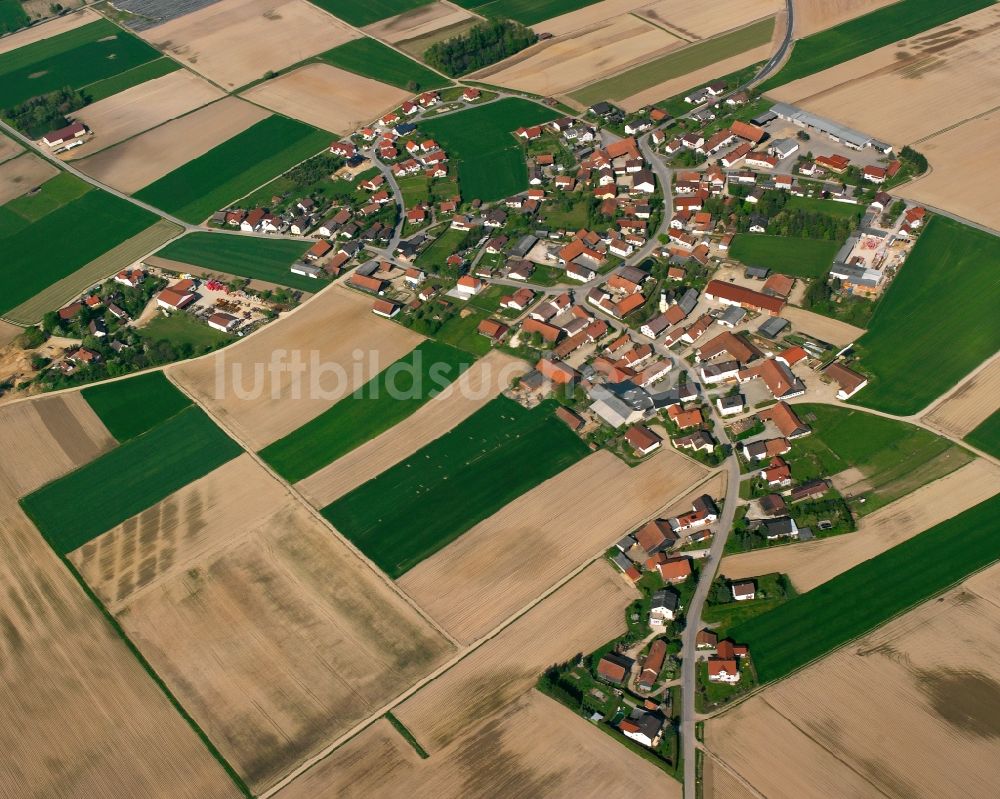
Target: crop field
236, 42
243, 256
490, 161
37, 227
384, 401
235, 167
119, 82
860, 599
695, 23
871, 456
924, 306
137, 109
477, 385
128, 408
674, 65
809, 564
8, 148
527, 12
812, 16
807, 258
361, 14
75, 58
20, 175
986, 436
372, 59
930, 70
970, 404
341, 343
496, 455
72, 692
502, 563
52, 28
415, 30
259, 625
129, 479
866, 33
908, 710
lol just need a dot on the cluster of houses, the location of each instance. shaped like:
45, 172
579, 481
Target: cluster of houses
725, 656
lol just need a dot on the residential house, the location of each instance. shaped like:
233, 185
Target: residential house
642, 439
743, 591
664, 606
723, 670
652, 664
848, 381
614, 668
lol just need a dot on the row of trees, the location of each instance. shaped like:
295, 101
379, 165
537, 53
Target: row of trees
484, 44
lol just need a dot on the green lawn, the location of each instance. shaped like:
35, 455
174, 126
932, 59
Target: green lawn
572, 218
130, 407
490, 160
790, 256
386, 400
866, 33
232, 169
987, 435
462, 332
182, 328
418, 506
12, 16
859, 600
437, 252
937, 321
370, 11
895, 457
76, 58
77, 508
48, 236
244, 256
676, 64
415, 189
133, 77
828, 207
372, 59
527, 12
769, 595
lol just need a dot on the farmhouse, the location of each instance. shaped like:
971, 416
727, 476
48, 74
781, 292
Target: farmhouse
642, 727
723, 670
222, 321
674, 570
778, 378
849, 381
385, 308
54, 138
785, 420
744, 591
614, 668
642, 439
664, 606
731, 294
177, 296
651, 665
492, 329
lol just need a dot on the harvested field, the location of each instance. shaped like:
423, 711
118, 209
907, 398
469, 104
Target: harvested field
536, 747
813, 563
968, 406
327, 97
504, 562
8, 148
832, 331
272, 634
908, 710
140, 161
235, 385
234, 42
20, 175
558, 65
953, 154
73, 694
720, 783
580, 616
812, 16
706, 20
142, 107
418, 22
930, 70
47, 30
479, 384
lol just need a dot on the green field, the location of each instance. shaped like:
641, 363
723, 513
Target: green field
133, 77
676, 64
76, 58
866, 33
372, 59
423, 503
232, 169
828, 207
77, 508
244, 256
433, 257
527, 12
370, 11
490, 160
383, 402
987, 435
12, 16
182, 329
47, 236
895, 457
934, 325
130, 407
790, 256
859, 600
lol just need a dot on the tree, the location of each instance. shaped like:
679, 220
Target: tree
802, 136
484, 44
31, 337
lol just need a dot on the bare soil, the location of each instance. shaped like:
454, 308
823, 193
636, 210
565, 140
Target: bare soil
812, 563
504, 562
479, 384
270, 631
333, 335
702, 21
419, 22
967, 407
142, 107
327, 97
235, 42
832, 331
812, 16
8, 148
137, 162
20, 175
